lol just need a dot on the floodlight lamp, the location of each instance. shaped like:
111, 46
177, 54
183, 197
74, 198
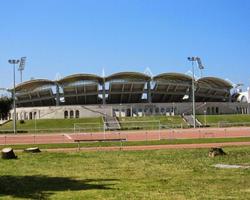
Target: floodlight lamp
191, 58
13, 61
22, 64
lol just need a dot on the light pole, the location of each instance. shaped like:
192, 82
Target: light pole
14, 62
205, 117
201, 67
192, 59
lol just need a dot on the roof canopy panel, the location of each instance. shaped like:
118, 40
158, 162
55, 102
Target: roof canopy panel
215, 82
33, 84
80, 77
172, 77
128, 76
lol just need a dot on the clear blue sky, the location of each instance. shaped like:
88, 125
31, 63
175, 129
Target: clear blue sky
85, 36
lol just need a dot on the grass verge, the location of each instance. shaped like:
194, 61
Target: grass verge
161, 174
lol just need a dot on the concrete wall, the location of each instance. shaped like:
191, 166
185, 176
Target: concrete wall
180, 108
122, 110
58, 112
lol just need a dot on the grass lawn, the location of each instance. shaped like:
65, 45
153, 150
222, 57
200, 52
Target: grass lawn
214, 120
54, 125
152, 122
161, 174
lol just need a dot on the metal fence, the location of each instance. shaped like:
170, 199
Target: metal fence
124, 126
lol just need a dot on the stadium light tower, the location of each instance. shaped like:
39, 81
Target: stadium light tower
14, 62
198, 60
21, 67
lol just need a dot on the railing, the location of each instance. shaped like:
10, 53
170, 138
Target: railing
228, 124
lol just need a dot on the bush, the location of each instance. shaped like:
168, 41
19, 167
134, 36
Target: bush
22, 121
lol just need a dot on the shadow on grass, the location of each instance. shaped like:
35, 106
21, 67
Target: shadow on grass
40, 187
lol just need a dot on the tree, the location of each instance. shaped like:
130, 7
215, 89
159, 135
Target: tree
5, 107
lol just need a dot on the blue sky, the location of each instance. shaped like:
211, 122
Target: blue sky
84, 36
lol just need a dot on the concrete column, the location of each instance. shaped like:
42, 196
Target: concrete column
57, 95
230, 97
103, 94
149, 92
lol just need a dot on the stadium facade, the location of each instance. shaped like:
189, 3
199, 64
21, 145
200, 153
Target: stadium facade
125, 94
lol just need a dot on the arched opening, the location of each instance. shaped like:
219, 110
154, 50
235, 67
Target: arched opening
208, 111
30, 115
71, 113
163, 111
217, 110
34, 115
25, 116
77, 114
66, 114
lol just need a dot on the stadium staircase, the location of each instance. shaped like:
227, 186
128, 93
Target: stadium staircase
189, 119
94, 111
2, 122
111, 123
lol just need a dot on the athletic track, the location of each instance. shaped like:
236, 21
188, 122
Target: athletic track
128, 135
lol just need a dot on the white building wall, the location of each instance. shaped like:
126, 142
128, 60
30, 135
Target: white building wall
122, 110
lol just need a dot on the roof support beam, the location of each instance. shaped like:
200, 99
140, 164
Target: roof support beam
131, 89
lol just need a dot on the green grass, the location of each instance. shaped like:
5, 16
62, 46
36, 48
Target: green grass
222, 120
54, 125
130, 143
161, 174
127, 123
152, 122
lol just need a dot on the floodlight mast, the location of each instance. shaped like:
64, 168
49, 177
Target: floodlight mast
198, 60
21, 67
14, 62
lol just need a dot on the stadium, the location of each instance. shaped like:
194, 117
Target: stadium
125, 94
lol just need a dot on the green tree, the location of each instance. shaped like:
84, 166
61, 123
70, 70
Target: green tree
5, 106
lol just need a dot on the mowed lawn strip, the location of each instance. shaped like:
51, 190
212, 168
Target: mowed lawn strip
55, 125
215, 119
161, 174
152, 122
131, 143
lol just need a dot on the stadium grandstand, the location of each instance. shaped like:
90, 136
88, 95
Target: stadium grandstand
126, 94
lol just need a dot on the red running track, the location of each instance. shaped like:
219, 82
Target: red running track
128, 135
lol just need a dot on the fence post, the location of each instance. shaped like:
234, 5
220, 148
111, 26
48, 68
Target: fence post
159, 130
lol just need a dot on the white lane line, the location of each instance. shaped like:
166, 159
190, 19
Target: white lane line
67, 136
